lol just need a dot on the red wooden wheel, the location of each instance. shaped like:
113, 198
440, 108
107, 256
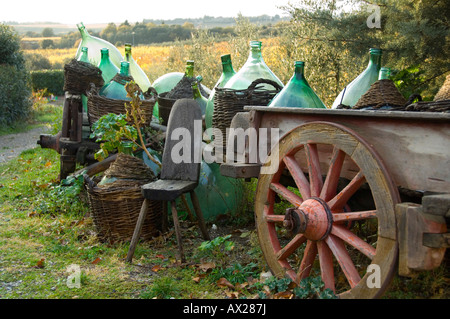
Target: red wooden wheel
308, 213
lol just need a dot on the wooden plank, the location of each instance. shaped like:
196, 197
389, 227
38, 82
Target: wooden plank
167, 189
240, 170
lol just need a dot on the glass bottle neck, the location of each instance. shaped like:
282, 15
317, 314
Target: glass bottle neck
83, 30
105, 55
125, 69
299, 71
189, 71
375, 58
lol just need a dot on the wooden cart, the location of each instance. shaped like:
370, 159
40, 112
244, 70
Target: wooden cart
355, 196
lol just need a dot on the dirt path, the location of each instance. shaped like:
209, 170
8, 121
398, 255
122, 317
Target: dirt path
13, 144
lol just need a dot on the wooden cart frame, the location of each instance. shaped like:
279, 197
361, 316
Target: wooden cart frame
342, 171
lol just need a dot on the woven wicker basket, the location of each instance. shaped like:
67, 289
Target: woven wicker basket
115, 207
99, 105
382, 93
444, 91
78, 77
228, 102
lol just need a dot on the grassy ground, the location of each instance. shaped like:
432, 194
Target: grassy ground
48, 242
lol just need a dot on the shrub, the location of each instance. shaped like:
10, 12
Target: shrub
15, 94
52, 80
14, 91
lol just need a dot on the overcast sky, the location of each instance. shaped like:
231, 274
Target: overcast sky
95, 11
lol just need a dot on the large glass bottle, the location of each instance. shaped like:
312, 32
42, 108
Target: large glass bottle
95, 45
109, 69
197, 95
84, 57
353, 91
254, 68
297, 92
115, 89
136, 72
227, 74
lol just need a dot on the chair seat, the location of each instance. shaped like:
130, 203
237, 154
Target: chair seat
165, 189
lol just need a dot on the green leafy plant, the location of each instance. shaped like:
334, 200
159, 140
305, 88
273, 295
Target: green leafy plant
313, 287
122, 132
236, 273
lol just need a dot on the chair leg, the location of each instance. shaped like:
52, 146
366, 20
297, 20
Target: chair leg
137, 230
198, 211
177, 230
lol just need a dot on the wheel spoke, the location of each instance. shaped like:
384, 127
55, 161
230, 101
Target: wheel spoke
353, 240
326, 265
299, 177
339, 201
331, 182
286, 194
340, 252
289, 249
315, 176
307, 261
349, 216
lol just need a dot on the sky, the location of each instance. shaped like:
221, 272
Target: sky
96, 11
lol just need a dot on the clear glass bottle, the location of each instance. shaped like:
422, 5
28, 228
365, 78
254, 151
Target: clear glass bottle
297, 92
95, 45
227, 73
254, 68
353, 91
115, 89
109, 70
136, 72
197, 95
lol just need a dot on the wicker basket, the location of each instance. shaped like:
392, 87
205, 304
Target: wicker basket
444, 91
164, 107
78, 77
382, 93
115, 208
228, 102
99, 105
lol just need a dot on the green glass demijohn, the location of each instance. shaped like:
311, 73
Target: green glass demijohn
136, 72
197, 95
95, 45
227, 73
84, 57
254, 68
109, 69
115, 89
297, 92
350, 95
385, 73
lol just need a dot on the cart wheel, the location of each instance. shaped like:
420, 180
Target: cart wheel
316, 229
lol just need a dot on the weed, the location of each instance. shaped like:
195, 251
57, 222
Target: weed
162, 288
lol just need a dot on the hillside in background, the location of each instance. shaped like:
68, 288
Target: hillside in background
206, 21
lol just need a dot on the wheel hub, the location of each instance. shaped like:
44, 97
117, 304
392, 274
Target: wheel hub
313, 219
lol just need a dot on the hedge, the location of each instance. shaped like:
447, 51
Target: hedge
52, 80
15, 94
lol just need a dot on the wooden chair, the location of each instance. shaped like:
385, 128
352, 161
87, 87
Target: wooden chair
177, 178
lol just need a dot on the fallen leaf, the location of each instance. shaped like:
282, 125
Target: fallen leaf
96, 261
205, 267
196, 279
40, 263
160, 256
283, 295
48, 164
232, 294
156, 268
223, 282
